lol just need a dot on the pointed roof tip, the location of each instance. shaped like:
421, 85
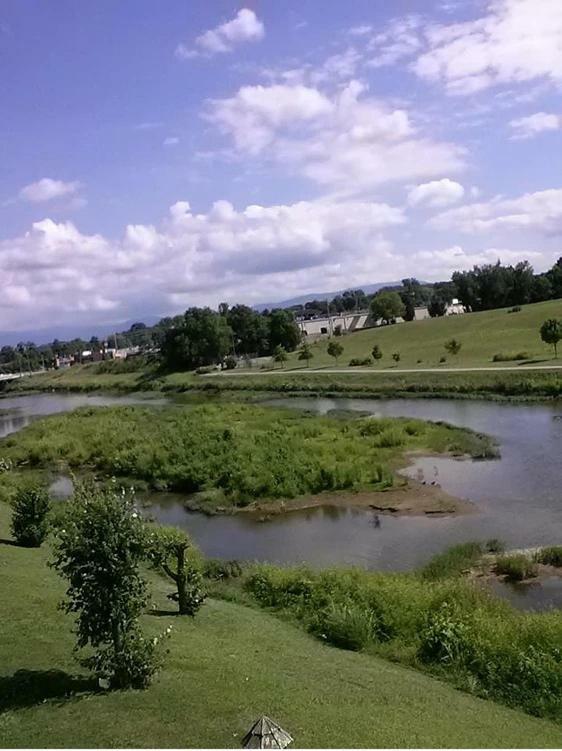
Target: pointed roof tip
265, 733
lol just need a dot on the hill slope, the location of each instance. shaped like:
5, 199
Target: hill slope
224, 669
421, 343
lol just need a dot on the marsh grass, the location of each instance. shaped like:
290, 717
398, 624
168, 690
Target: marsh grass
231, 454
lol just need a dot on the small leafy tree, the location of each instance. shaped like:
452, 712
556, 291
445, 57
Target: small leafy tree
100, 542
387, 306
453, 346
551, 333
169, 550
396, 356
305, 353
335, 350
376, 352
29, 517
280, 355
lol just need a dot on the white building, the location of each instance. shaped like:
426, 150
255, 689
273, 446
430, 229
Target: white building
347, 322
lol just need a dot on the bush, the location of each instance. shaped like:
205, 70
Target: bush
551, 556
443, 359
359, 361
205, 369
452, 562
396, 356
230, 363
348, 626
494, 545
510, 357
516, 567
29, 517
515, 309
217, 569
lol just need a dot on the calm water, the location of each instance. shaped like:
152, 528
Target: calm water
518, 498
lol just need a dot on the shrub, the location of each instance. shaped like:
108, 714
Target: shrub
396, 356
452, 562
29, 517
453, 346
230, 363
205, 369
551, 556
443, 359
359, 361
376, 352
515, 309
494, 545
390, 438
510, 357
348, 626
217, 569
516, 567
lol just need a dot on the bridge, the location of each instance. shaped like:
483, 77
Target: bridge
13, 376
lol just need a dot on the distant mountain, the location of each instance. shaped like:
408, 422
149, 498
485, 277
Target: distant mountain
65, 333
368, 288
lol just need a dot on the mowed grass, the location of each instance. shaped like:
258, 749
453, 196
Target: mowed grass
223, 670
482, 336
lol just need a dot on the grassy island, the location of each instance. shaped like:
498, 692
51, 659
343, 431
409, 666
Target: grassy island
229, 456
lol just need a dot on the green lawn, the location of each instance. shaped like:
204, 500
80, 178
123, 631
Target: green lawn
224, 669
482, 336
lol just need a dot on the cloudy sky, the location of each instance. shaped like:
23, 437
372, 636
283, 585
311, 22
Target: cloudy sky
156, 155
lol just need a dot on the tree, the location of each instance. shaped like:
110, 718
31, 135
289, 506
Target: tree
551, 333
29, 516
99, 544
453, 346
283, 331
437, 306
250, 330
335, 350
376, 352
387, 306
305, 353
280, 355
170, 550
203, 338
396, 356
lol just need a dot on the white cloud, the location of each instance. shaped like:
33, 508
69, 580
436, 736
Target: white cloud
54, 271
244, 27
47, 189
401, 39
527, 127
516, 41
344, 140
440, 264
436, 194
171, 141
540, 211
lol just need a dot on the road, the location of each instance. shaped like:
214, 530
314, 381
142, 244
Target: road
350, 371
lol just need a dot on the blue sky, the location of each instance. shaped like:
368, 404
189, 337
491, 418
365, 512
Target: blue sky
157, 155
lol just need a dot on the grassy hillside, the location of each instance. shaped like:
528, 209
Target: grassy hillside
482, 335
224, 669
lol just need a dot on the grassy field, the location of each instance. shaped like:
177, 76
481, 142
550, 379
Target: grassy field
232, 454
223, 670
421, 343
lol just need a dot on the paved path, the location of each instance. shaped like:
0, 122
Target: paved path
317, 371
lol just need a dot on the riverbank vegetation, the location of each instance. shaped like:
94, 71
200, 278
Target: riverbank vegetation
233, 454
443, 624
224, 665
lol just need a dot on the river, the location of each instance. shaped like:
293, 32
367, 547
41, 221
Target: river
518, 498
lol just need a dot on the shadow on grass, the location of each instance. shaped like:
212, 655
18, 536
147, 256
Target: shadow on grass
26, 688
163, 613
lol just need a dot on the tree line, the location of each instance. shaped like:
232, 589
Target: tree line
201, 336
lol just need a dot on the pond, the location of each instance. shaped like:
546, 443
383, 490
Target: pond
518, 498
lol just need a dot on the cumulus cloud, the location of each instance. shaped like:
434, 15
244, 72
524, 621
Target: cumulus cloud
532, 125
540, 211
344, 140
55, 271
515, 41
171, 141
47, 189
438, 264
436, 193
244, 27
